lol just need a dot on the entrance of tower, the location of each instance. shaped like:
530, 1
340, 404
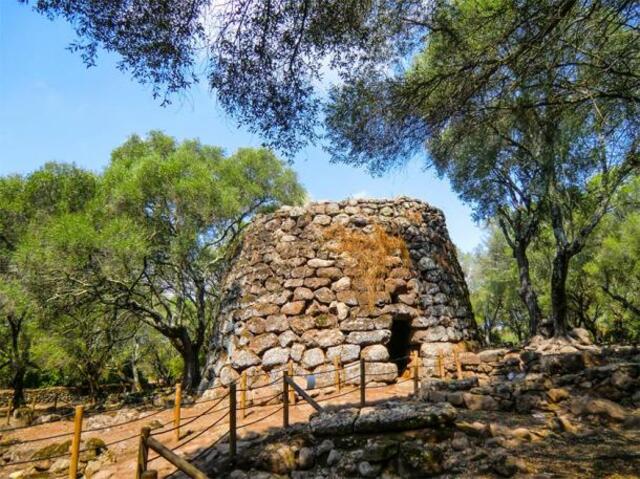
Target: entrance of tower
398, 346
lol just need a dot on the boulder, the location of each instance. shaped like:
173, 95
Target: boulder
287, 338
346, 352
333, 423
293, 308
243, 358
404, 417
276, 323
275, 357
418, 460
263, 342
300, 324
604, 408
363, 338
480, 402
375, 352
312, 358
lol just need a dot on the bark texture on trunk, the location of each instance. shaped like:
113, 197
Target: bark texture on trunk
17, 383
559, 293
526, 290
189, 352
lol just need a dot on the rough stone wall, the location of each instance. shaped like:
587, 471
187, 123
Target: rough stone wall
293, 295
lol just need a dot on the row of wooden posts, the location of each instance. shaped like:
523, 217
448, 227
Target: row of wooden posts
289, 397
289, 390
33, 407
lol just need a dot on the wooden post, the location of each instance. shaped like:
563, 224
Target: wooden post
143, 452
337, 367
75, 443
9, 409
55, 402
152, 474
232, 420
285, 401
456, 359
243, 394
176, 410
416, 378
33, 406
181, 463
441, 365
292, 393
362, 382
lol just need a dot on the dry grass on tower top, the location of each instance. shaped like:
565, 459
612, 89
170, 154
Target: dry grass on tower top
370, 251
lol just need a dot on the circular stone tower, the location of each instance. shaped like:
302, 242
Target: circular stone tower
373, 279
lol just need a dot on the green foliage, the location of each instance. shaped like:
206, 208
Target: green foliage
518, 106
602, 283
150, 247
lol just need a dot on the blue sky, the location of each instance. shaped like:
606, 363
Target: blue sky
52, 108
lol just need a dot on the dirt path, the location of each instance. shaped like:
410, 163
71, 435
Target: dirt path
126, 436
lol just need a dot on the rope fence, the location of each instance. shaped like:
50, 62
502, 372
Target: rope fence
236, 404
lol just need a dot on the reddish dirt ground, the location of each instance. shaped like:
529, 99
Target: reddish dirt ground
127, 450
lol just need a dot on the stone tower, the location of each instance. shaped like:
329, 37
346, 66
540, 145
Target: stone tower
376, 279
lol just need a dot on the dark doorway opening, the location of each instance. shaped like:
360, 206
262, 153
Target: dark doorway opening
399, 348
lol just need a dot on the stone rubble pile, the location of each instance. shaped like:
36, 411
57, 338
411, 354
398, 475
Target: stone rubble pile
591, 381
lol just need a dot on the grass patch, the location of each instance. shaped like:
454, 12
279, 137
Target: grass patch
370, 252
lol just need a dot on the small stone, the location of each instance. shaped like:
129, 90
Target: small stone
325, 295
331, 273
275, 357
322, 220
296, 352
315, 283
294, 283
460, 441
323, 338
306, 458
480, 402
557, 394
320, 263
597, 406
300, 324
346, 352
376, 352
276, 323
293, 309
342, 284
312, 358
263, 342
243, 358
341, 310
287, 338
366, 469
255, 325
381, 336
302, 294
334, 457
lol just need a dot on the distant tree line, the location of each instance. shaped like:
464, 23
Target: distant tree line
116, 275
528, 107
602, 283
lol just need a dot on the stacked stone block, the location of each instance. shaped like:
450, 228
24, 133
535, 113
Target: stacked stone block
292, 296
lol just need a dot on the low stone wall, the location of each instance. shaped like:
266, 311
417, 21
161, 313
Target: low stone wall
61, 394
524, 380
42, 395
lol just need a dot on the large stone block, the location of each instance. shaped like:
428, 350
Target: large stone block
346, 352
275, 357
312, 358
363, 338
